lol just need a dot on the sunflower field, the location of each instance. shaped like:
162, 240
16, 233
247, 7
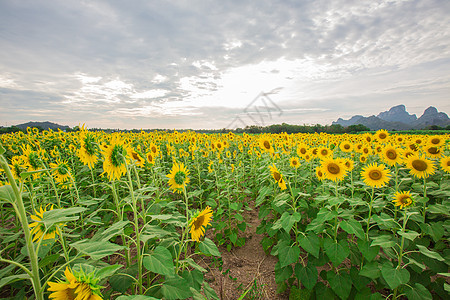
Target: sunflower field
92, 215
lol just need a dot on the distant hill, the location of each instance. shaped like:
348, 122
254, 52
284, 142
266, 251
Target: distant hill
44, 125
397, 118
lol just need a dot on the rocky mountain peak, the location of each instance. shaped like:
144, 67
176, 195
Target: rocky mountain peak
430, 111
397, 114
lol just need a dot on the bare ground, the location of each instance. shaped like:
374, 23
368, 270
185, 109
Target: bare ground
244, 267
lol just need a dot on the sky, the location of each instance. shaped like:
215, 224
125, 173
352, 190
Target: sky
220, 64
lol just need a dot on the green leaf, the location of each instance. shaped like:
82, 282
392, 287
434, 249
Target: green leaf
176, 287
2, 149
107, 271
310, 243
282, 273
424, 250
384, 241
10, 279
369, 252
160, 261
136, 297
394, 276
263, 192
438, 209
353, 227
418, 292
96, 249
154, 231
370, 270
121, 283
194, 278
61, 215
341, 284
299, 294
287, 220
7, 194
306, 275
208, 247
288, 254
337, 252
359, 282
193, 264
410, 234
209, 292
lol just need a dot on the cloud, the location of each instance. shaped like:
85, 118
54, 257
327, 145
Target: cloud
188, 59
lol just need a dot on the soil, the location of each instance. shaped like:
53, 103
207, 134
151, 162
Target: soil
247, 267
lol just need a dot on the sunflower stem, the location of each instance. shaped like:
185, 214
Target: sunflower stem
370, 213
136, 228
93, 183
425, 196
20, 210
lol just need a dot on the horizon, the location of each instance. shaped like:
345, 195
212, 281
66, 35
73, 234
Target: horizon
196, 64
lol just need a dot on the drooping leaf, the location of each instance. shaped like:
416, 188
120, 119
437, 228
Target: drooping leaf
159, 261
424, 250
288, 254
310, 243
306, 275
175, 287
96, 249
337, 252
208, 247
353, 227
341, 283
394, 276
418, 292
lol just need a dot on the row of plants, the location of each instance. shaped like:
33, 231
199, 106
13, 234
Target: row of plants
90, 215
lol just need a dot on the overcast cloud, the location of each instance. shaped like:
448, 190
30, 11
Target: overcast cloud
202, 64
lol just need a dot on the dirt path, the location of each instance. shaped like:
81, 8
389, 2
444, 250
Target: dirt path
245, 267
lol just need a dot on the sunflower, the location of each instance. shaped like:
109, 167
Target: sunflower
402, 199
136, 157
324, 152
264, 143
302, 150
61, 171
115, 155
346, 146
210, 167
333, 169
199, 222
375, 175
445, 163
420, 166
77, 286
392, 155
278, 177
432, 151
436, 141
178, 177
150, 158
320, 173
294, 162
38, 227
381, 135
88, 150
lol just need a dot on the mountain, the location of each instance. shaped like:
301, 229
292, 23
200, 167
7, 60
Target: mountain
397, 118
397, 114
44, 125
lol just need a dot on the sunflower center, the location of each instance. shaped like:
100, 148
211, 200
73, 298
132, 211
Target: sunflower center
382, 136
180, 177
324, 152
277, 176
266, 145
405, 200
433, 150
419, 165
302, 150
435, 141
448, 163
294, 162
154, 149
198, 222
375, 174
413, 147
391, 154
346, 146
333, 168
